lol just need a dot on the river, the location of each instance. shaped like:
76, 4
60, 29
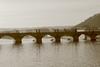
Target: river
48, 54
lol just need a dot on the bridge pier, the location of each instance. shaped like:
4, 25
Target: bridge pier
57, 39
57, 36
18, 41
38, 37
93, 38
39, 40
76, 38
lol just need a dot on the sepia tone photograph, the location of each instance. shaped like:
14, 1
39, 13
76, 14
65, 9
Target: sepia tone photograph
49, 33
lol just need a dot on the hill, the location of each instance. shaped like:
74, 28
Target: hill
92, 22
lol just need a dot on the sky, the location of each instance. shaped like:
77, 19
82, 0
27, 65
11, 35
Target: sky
39, 13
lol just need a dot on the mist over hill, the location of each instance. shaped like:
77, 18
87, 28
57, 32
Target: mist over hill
33, 29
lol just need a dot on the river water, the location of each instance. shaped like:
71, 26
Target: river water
48, 54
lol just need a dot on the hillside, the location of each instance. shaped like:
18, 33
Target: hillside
92, 22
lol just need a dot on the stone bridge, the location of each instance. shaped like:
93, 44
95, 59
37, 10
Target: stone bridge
57, 34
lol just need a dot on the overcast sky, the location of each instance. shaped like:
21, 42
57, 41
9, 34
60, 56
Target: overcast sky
34, 13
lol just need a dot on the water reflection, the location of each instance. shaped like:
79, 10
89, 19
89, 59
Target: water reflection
48, 54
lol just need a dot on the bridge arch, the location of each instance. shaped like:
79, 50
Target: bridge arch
28, 38
83, 37
48, 38
98, 37
66, 38
7, 39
